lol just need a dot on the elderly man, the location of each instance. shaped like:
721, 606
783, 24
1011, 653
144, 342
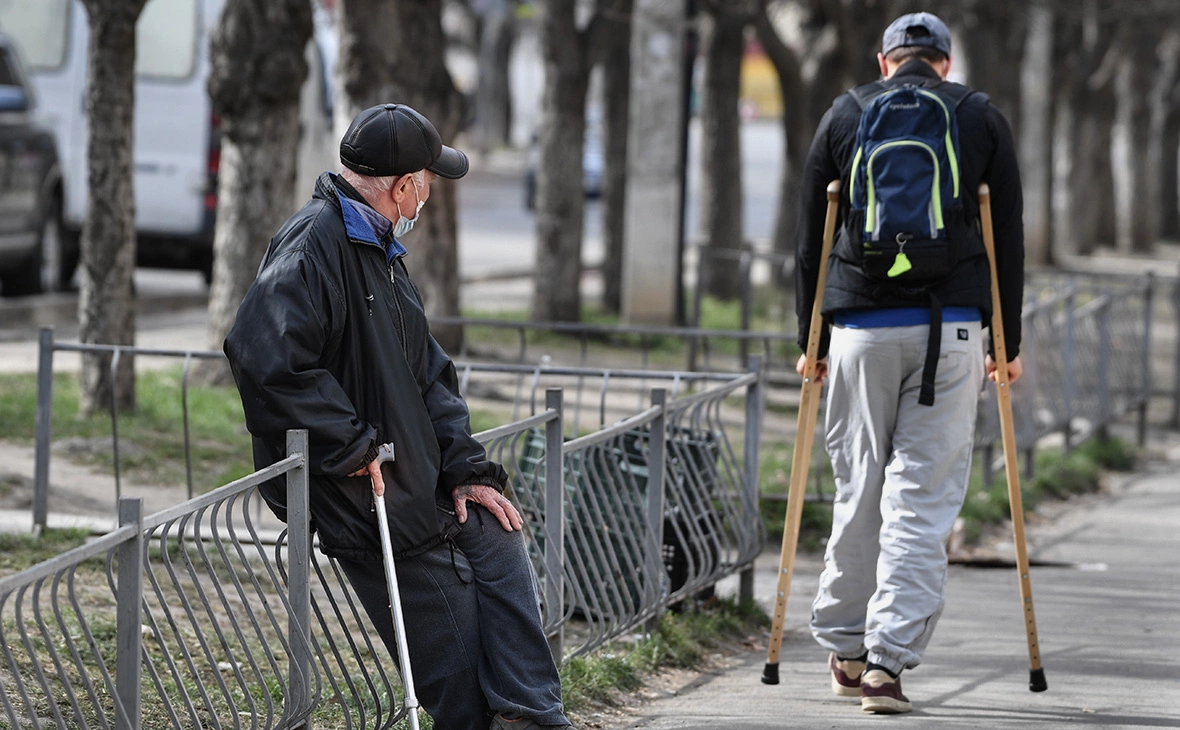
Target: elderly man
332, 338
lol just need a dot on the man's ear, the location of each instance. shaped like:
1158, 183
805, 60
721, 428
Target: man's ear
884, 66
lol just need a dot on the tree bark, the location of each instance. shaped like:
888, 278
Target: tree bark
377, 38
560, 211
1035, 143
106, 301
493, 111
1166, 120
258, 70
1138, 200
992, 48
797, 133
1085, 181
616, 93
722, 31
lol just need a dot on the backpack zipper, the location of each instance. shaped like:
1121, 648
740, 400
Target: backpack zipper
936, 192
948, 142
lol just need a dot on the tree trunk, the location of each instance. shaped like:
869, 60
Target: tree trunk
1085, 181
1166, 119
992, 48
721, 158
560, 210
106, 301
493, 111
1035, 143
377, 37
616, 93
258, 69
1139, 195
797, 134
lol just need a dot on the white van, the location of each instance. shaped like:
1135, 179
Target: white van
176, 144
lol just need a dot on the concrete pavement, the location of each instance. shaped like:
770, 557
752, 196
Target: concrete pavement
1107, 606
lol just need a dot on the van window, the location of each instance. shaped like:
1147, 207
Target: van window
166, 39
39, 28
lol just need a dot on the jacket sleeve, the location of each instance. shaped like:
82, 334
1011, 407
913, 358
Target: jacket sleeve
287, 320
1003, 178
464, 459
819, 170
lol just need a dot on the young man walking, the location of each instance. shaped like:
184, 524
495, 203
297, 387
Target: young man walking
902, 348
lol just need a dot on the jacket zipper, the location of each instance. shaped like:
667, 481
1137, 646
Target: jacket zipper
397, 304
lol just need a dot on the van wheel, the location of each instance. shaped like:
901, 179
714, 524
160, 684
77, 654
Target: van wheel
42, 271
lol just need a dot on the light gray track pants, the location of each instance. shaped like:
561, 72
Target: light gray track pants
901, 473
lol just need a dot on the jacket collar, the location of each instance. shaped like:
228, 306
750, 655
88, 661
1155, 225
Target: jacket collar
361, 221
916, 67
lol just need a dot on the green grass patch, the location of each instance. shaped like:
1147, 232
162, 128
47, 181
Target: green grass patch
24, 550
775, 476
151, 438
682, 640
1057, 474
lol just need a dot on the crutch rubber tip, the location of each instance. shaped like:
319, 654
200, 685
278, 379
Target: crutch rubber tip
1036, 680
770, 673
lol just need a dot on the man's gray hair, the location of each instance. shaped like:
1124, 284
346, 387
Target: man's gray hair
374, 187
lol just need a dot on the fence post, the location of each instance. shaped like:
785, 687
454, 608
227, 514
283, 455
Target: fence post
755, 394
299, 582
1175, 422
1068, 360
554, 519
745, 269
1145, 398
44, 429
656, 463
697, 295
129, 619
1104, 356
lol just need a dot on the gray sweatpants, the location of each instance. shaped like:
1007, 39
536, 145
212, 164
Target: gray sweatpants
901, 472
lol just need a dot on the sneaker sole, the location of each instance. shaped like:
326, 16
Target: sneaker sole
884, 705
843, 691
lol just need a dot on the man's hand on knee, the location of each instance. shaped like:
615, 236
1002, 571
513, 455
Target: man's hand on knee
491, 500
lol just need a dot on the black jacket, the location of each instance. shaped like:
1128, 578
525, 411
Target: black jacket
333, 339
987, 154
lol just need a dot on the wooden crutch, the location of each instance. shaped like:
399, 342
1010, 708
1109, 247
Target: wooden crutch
804, 436
1036, 676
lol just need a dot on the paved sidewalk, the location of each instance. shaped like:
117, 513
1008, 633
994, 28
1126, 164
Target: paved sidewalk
1108, 617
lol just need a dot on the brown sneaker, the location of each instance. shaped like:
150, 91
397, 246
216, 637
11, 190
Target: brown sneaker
881, 694
845, 675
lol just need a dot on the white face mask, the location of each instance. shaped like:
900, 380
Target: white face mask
404, 225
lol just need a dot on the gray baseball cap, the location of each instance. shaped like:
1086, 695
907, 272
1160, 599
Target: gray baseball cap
917, 29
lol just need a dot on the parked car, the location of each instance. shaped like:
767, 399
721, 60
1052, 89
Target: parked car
593, 162
177, 137
34, 256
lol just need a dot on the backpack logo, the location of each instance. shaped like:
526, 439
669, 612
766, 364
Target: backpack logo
904, 187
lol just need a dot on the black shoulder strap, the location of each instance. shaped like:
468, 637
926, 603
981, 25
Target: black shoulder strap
865, 93
956, 93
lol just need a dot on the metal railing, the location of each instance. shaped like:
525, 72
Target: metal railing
1087, 355
219, 621
178, 619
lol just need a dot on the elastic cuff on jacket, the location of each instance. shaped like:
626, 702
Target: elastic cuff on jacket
485, 481
370, 454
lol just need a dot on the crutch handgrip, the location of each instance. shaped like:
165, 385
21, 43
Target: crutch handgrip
804, 435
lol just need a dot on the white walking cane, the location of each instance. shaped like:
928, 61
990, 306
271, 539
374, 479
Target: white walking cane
384, 454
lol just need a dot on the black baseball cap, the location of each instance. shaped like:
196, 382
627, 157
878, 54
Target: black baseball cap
393, 139
917, 29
